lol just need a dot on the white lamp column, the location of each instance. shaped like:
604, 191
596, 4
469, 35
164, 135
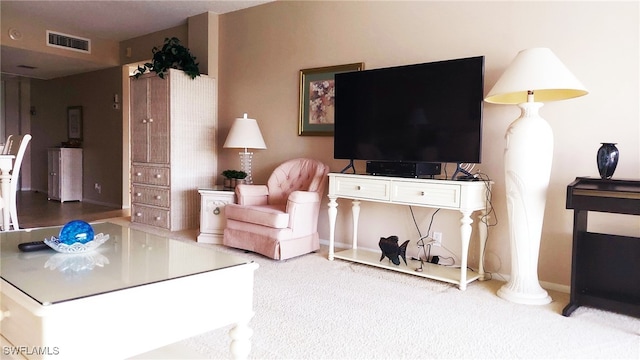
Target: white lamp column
534, 75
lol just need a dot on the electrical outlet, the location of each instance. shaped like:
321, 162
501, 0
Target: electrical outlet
97, 187
437, 236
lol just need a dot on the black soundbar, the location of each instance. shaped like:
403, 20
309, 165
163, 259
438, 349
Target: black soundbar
403, 169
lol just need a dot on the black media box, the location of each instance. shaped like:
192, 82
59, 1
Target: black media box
403, 169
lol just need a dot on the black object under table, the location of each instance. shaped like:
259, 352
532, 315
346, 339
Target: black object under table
605, 268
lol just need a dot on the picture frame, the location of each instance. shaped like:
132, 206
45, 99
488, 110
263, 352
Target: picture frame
317, 94
74, 123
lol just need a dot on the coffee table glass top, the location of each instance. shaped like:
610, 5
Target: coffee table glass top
129, 258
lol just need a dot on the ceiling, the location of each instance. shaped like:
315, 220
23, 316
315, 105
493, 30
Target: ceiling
110, 20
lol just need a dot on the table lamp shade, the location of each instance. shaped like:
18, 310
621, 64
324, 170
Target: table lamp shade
537, 70
245, 133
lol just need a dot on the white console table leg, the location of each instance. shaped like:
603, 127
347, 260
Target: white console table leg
333, 213
355, 212
241, 339
483, 232
465, 237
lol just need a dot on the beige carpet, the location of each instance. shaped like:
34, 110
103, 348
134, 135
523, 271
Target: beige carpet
313, 308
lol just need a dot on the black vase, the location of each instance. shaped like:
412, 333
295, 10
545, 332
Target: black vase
607, 159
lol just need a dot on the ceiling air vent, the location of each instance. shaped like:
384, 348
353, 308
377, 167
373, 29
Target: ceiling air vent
69, 42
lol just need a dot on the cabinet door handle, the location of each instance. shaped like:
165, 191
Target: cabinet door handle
138, 174
158, 197
158, 176
138, 194
138, 214
358, 187
157, 218
422, 193
216, 211
144, 121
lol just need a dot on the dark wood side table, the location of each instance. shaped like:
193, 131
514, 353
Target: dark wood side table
605, 268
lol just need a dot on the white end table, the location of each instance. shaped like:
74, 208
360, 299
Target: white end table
212, 218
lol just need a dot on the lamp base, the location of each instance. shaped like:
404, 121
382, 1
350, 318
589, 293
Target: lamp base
246, 159
528, 155
522, 293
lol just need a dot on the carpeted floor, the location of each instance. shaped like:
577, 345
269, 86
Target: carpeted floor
313, 308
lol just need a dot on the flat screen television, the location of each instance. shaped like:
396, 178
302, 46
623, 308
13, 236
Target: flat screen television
420, 113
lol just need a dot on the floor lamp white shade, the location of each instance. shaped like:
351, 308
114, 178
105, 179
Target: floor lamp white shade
245, 134
534, 75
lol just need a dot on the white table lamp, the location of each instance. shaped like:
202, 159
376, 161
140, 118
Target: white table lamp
245, 134
535, 76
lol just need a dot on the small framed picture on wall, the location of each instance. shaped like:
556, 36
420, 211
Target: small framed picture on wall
317, 96
74, 123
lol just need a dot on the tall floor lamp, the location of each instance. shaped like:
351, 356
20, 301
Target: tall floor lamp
245, 134
536, 75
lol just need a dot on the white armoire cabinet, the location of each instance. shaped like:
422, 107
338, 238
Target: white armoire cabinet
173, 147
65, 174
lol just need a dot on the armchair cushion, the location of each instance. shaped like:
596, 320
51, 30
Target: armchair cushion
273, 216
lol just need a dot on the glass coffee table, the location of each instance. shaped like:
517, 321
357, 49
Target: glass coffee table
135, 293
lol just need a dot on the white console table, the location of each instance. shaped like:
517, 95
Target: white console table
464, 196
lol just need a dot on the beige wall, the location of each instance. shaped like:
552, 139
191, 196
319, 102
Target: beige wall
102, 133
203, 42
139, 49
263, 48
15, 116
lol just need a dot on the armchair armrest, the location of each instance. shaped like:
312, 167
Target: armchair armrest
252, 194
303, 208
301, 196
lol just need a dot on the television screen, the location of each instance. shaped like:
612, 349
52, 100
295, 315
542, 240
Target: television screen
429, 112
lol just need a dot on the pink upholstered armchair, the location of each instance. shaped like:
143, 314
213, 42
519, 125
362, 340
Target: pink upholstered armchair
280, 219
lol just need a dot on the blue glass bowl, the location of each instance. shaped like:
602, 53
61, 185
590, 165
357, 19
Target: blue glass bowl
76, 231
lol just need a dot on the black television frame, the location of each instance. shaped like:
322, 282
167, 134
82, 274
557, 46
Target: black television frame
454, 89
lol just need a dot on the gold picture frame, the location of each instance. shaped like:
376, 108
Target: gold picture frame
317, 94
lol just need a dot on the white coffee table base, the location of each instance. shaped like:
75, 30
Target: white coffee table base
124, 323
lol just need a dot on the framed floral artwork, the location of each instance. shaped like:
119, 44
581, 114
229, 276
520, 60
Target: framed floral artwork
317, 97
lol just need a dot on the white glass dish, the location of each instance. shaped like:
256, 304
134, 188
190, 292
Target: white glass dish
77, 248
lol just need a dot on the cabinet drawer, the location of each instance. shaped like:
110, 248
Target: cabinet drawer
150, 195
361, 188
212, 216
150, 175
150, 216
20, 326
436, 195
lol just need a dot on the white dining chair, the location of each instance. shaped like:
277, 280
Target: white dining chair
5, 148
16, 145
